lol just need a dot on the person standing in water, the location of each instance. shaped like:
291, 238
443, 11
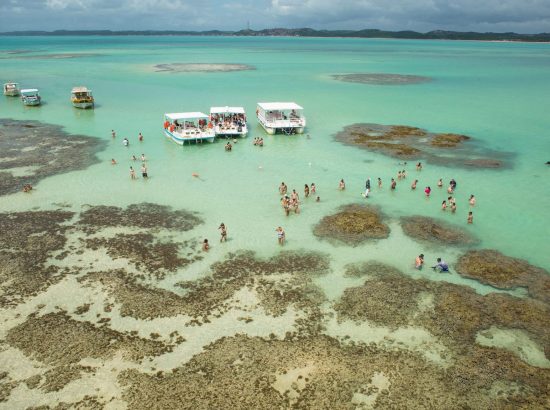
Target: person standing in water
393, 184
419, 166
144, 171
472, 200
413, 185
440, 183
379, 183
453, 207
132, 173
367, 188
140, 137
125, 142
205, 245
470, 217
113, 133
306, 191
223, 232
342, 185
444, 205
313, 188
280, 235
427, 191
419, 261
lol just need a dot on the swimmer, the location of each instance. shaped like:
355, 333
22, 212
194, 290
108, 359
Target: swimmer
144, 171
379, 183
143, 159
140, 137
205, 245
450, 189
113, 161
313, 188
342, 185
113, 133
125, 142
132, 173
453, 207
393, 184
470, 217
440, 183
472, 200
318, 199
413, 185
443, 205
419, 166
134, 158
399, 175
306, 190
280, 235
451, 200
419, 261
403, 174
223, 232
194, 174
427, 191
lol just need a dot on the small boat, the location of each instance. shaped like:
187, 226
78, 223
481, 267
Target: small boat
228, 121
182, 127
30, 96
285, 117
81, 97
11, 89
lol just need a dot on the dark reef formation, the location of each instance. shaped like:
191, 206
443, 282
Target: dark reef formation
493, 268
41, 150
381, 78
436, 231
410, 143
353, 225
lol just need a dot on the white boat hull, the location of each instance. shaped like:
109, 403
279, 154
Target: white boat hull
285, 130
180, 140
83, 105
11, 93
231, 132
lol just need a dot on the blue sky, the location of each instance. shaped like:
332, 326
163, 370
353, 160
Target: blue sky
525, 16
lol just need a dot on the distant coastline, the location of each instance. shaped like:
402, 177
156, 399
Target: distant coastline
305, 32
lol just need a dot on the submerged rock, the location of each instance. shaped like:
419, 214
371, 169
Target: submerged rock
353, 225
436, 231
200, 67
493, 268
31, 151
405, 142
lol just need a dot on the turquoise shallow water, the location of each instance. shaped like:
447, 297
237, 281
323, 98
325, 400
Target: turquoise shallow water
494, 92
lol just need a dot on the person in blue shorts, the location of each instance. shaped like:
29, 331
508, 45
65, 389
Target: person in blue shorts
441, 266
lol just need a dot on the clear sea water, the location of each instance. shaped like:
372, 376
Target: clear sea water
498, 93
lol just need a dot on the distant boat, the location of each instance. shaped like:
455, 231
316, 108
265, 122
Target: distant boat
228, 121
285, 117
189, 127
81, 97
11, 89
30, 96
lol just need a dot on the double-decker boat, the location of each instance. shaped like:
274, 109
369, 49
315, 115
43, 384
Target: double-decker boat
285, 117
81, 97
30, 96
11, 89
228, 121
182, 127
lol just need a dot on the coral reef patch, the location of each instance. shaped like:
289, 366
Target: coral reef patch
405, 142
352, 225
200, 68
504, 272
436, 231
381, 78
41, 150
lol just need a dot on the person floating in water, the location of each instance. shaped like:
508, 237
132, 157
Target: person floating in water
223, 232
419, 261
441, 266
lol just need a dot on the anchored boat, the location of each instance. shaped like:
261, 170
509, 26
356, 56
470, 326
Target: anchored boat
182, 127
30, 96
228, 121
11, 89
81, 97
285, 117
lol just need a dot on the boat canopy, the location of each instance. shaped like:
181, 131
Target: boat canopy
185, 115
278, 106
29, 91
226, 110
81, 90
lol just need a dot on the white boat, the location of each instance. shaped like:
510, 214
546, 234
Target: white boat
285, 117
182, 127
81, 97
228, 121
11, 89
30, 96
